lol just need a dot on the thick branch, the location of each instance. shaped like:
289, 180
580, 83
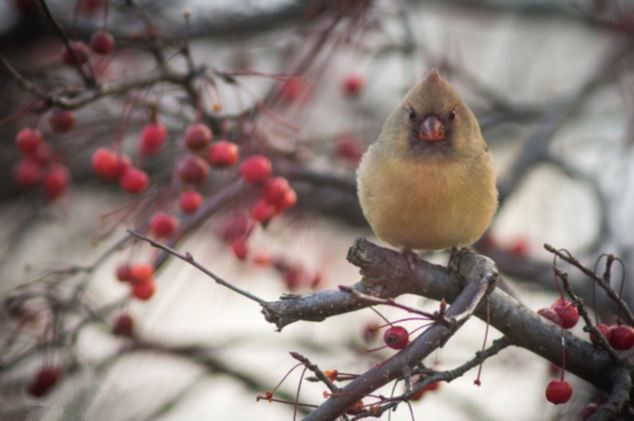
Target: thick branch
480, 282
387, 274
619, 396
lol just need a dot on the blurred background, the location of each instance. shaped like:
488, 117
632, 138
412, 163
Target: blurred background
309, 84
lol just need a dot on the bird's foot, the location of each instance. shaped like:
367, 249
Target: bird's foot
452, 264
411, 257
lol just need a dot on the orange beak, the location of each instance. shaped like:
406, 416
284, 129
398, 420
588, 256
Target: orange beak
431, 129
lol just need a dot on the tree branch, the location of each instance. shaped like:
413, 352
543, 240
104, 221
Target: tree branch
479, 284
387, 274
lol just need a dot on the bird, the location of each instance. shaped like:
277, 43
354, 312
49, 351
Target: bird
428, 181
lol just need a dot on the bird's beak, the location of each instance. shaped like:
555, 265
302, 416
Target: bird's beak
431, 129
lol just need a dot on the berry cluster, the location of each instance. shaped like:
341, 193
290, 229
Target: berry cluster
620, 337
39, 166
140, 278
562, 312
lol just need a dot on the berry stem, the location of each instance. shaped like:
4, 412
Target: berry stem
299, 388
563, 354
378, 313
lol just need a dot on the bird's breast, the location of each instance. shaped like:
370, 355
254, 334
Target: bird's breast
426, 204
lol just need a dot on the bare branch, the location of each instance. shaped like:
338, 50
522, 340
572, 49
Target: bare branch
190, 259
611, 292
89, 79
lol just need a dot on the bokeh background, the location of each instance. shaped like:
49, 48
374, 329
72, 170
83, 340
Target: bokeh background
551, 83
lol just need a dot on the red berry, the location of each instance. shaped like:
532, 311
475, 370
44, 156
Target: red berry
123, 325
288, 201
370, 331
62, 121
519, 247
56, 181
144, 290
255, 169
396, 337
349, 148
28, 140
81, 53
107, 164
124, 272
223, 154
44, 381
275, 189
240, 248
316, 280
295, 88
550, 314
102, 42
353, 84
603, 329
141, 272
27, 173
356, 408
427, 388
193, 170
262, 211
163, 225
295, 276
133, 180
42, 155
567, 312
558, 392
197, 136
621, 337
152, 138
190, 201
237, 226
90, 6
263, 259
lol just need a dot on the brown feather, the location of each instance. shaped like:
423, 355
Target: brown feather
428, 194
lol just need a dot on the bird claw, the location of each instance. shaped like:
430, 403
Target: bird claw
452, 264
411, 257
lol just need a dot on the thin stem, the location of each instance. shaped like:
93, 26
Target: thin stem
187, 257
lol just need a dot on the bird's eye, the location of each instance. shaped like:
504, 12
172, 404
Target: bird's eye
452, 114
410, 112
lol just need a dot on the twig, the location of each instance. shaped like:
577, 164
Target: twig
431, 377
370, 300
89, 79
187, 257
25, 83
211, 206
590, 327
316, 370
611, 292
